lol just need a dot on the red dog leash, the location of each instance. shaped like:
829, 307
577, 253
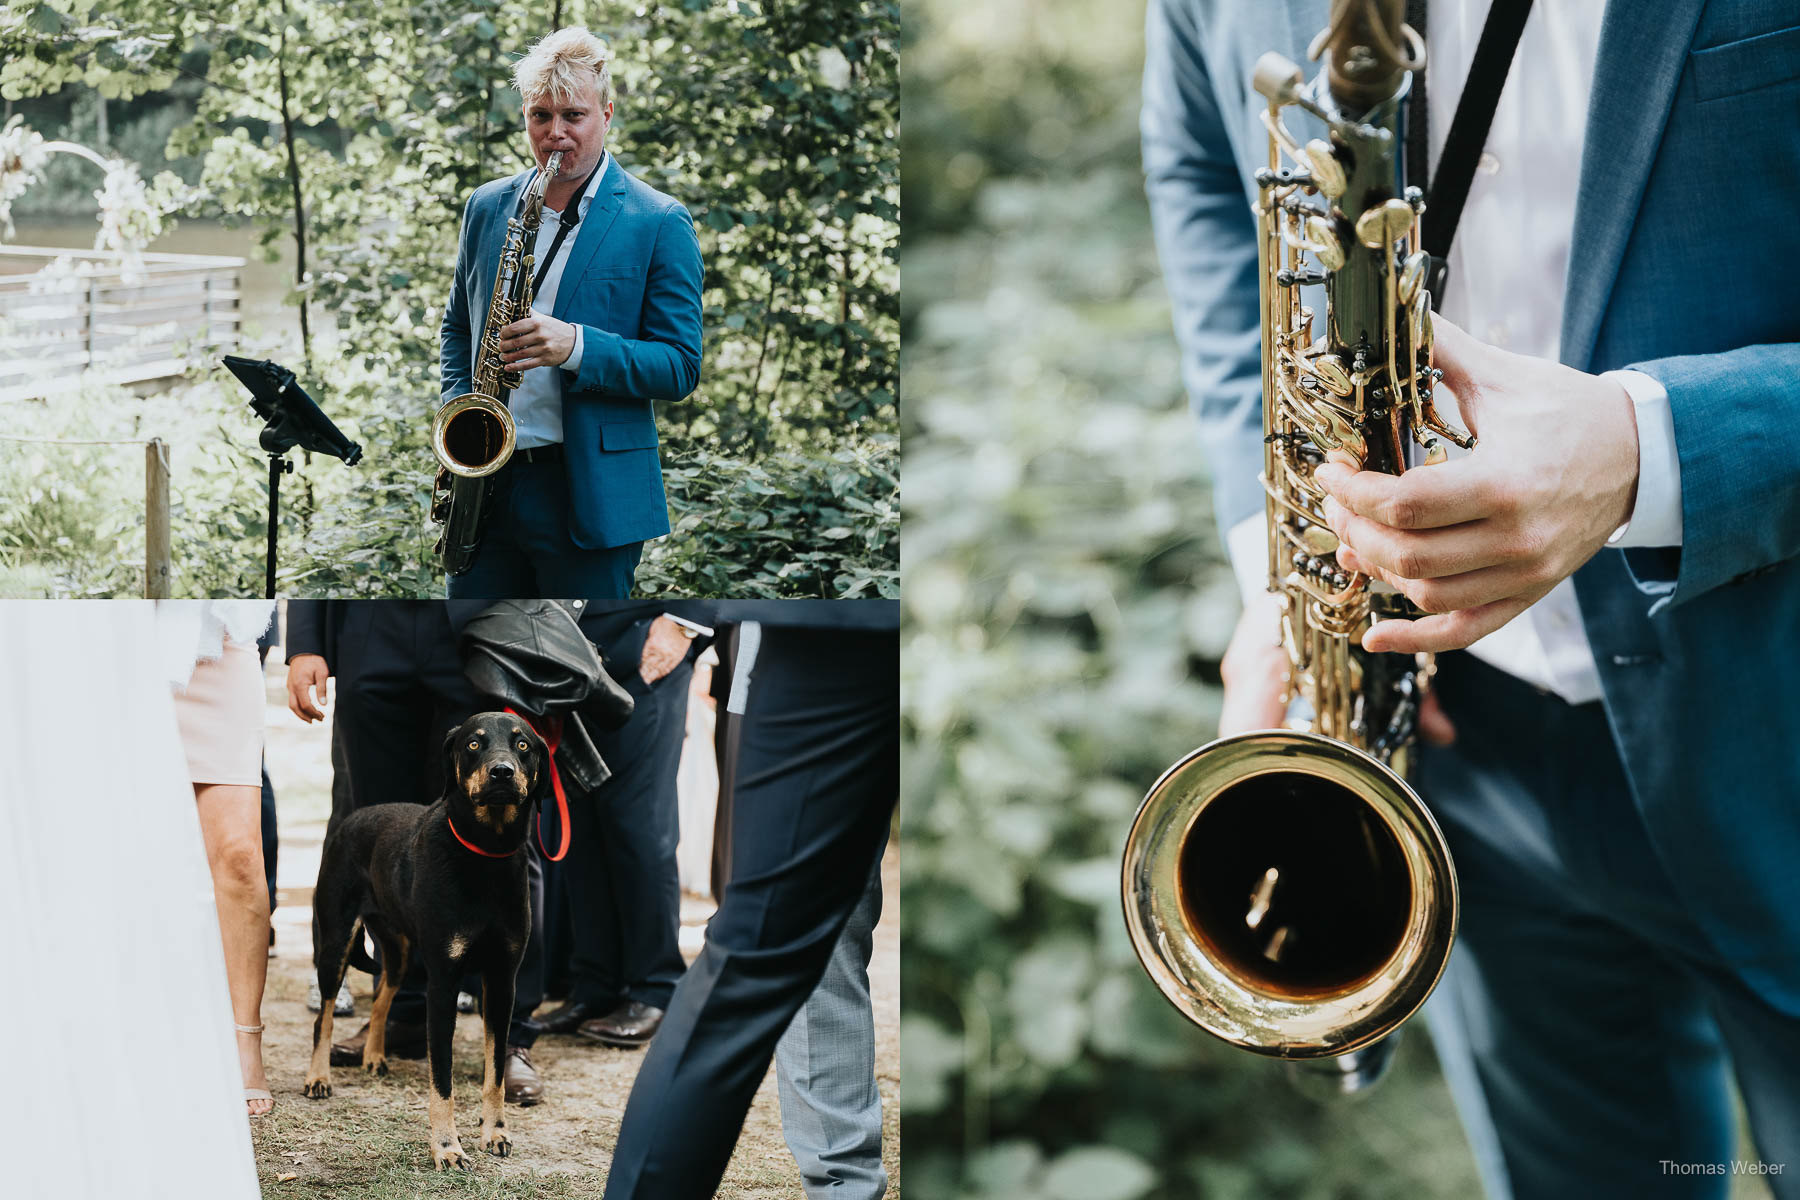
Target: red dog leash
552, 735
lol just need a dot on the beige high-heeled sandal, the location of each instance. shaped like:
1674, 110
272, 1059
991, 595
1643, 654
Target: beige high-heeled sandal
251, 1093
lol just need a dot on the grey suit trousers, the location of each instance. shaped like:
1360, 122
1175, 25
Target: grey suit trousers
825, 1067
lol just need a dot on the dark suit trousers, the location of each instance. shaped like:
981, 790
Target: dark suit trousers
527, 550
816, 785
1588, 1026
400, 690
624, 885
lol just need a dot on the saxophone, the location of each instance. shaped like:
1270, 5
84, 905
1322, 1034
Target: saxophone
473, 435
1287, 889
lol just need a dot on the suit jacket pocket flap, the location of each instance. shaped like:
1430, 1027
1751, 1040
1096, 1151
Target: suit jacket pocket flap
1748, 64
628, 435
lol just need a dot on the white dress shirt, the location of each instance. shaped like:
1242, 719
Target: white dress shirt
537, 403
1507, 268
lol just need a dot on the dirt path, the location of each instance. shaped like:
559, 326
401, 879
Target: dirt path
368, 1140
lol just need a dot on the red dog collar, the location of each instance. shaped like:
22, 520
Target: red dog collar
468, 845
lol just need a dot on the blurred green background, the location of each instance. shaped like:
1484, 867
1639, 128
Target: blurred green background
1067, 603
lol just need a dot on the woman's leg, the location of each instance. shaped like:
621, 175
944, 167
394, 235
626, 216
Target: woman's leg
230, 822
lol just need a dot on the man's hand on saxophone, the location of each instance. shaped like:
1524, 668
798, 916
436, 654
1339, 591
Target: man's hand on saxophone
1477, 540
537, 341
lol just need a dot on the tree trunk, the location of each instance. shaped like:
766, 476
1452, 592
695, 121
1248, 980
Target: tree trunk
293, 163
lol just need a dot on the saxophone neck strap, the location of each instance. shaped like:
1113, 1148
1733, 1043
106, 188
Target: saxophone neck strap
571, 217
1455, 168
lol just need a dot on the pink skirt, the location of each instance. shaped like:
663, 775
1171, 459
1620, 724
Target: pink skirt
221, 718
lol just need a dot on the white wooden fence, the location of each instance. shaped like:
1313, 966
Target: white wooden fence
88, 318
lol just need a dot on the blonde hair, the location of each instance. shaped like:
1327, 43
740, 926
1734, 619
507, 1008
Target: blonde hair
561, 63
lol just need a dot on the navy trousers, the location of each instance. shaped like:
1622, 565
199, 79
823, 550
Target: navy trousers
621, 877
1587, 1026
526, 549
816, 785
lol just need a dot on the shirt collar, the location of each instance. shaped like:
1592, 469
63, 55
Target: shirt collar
593, 186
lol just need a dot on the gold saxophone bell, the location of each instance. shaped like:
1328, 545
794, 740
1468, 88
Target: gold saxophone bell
1289, 894
473, 435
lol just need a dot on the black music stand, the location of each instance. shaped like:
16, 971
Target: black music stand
291, 419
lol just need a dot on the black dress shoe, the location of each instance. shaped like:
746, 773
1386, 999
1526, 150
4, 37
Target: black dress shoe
630, 1025
403, 1041
568, 1017
523, 1086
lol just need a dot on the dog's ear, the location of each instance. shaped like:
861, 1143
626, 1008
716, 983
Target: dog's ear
451, 741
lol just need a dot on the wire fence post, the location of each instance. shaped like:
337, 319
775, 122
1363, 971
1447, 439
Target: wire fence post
159, 574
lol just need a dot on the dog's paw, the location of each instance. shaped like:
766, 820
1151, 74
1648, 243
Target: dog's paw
378, 1066
443, 1157
496, 1142
316, 1089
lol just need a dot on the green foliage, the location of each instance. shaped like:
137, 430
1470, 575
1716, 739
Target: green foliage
775, 123
784, 525
1066, 607
72, 516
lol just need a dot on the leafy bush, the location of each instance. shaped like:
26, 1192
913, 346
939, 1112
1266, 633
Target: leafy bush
785, 525
72, 516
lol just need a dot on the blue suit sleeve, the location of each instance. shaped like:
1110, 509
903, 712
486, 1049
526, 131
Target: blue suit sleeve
1206, 240
1737, 435
456, 371
663, 364
306, 629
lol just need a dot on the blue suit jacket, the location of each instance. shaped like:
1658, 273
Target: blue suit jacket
1692, 158
632, 282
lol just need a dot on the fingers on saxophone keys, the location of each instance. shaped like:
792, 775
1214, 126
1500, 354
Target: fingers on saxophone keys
1443, 631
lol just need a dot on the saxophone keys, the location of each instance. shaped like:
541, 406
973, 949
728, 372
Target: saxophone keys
1324, 243
1435, 453
1412, 276
1327, 171
1277, 78
1381, 227
1330, 372
1319, 540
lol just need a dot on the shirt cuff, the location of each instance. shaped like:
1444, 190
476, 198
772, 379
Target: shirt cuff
573, 364
691, 628
1656, 514
1247, 545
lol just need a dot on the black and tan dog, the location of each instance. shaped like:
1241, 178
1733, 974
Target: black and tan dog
445, 882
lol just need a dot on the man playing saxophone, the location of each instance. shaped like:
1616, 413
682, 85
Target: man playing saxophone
1613, 759
615, 327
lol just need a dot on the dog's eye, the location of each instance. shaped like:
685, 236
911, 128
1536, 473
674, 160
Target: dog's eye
474, 745
523, 745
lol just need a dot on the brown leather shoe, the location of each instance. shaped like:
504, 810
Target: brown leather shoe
568, 1018
630, 1026
403, 1041
523, 1085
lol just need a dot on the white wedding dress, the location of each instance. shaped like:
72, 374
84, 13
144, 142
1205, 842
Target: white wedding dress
123, 1078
